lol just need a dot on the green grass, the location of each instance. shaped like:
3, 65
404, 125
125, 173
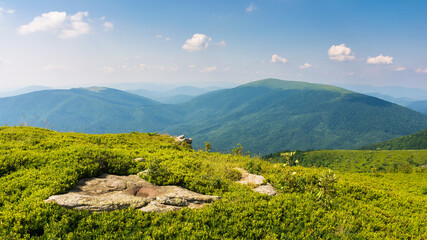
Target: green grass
313, 203
360, 160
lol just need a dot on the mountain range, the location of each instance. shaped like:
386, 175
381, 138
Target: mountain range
264, 116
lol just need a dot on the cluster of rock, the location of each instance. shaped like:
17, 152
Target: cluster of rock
112, 192
182, 138
257, 182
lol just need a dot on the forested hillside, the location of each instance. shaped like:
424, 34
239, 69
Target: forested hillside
414, 141
270, 115
312, 202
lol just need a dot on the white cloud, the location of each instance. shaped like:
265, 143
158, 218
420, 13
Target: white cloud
160, 36
251, 8
276, 58
306, 66
46, 22
142, 66
196, 43
59, 24
380, 59
222, 43
108, 69
108, 26
340, 53
174, 69
208, 69
191, 66
419, 70
8, 11
399, 69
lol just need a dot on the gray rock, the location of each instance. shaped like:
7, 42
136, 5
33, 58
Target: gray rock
266, 189
250, 179
256, 182
111, 192
182, 138
139, 159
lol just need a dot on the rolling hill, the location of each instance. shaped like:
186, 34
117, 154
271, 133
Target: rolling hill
269, 115
89, 110
264, 116
417, 140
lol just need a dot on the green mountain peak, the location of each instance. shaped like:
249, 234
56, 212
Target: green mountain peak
274, 83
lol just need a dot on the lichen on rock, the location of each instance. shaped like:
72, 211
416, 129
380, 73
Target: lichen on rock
112, 192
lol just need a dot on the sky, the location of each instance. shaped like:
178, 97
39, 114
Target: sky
80, 43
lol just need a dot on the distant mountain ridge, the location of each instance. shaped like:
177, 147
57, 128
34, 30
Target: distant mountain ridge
23, 91
173, 96
264, 116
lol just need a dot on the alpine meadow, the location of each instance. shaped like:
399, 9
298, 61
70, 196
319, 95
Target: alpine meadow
218, 119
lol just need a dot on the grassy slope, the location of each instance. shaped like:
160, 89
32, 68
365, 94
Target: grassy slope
35, 163
269, 115
360, 160
414, 141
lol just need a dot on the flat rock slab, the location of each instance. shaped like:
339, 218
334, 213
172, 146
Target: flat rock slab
257, 182
112, 192
266, 189
249, 178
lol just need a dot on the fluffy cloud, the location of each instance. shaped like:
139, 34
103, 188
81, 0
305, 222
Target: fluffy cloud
251, 8
208, 69
8, 11
276, 59
380, 59
340, 53
59, 24
306, 66
196, 43
399, 69
419, 70
108, 26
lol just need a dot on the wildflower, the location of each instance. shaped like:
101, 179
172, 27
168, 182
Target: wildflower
294, 173
296, 161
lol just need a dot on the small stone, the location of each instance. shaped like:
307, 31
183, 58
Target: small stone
266, 189
257, 181
139, 159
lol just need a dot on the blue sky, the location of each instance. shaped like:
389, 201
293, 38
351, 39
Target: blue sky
60, 43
